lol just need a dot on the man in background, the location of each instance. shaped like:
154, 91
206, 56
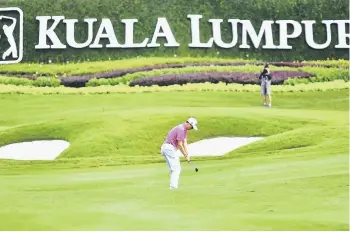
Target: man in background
265, 79
177, 139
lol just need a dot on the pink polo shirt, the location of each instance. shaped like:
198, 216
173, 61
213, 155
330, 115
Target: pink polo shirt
178, 132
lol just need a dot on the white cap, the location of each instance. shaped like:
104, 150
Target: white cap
193, 122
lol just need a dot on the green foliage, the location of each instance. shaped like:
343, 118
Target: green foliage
244, 68
81, 68
53, 70
322, 75
15, 81
39, 82
338, 63
46, 82
201, 87
176, 11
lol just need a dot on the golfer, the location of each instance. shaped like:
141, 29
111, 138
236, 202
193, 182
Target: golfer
177, 139
265, 79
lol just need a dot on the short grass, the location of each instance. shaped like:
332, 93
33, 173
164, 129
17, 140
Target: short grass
113, 177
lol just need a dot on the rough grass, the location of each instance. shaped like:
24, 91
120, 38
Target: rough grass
294, 179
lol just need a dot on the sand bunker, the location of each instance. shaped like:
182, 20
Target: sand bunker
35, 150
218, 146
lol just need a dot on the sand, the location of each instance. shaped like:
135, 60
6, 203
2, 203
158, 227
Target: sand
34, 150
218, 146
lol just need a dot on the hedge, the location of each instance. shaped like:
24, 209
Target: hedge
216, 77
127, 74
176, 12
322, 74
39, 82
93, 67
329, 86
236, 74
32, 70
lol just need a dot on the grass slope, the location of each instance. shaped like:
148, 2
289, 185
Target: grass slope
295, 179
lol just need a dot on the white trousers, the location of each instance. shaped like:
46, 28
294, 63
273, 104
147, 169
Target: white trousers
173, 161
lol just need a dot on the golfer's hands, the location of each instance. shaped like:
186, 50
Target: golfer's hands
187, 158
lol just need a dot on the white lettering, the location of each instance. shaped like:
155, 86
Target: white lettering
284, 36
217, 32
342, 35
309, 34
266, 28
70, 33
162, 24
288, 29
44, 32
106, 24
129, 35
195, 33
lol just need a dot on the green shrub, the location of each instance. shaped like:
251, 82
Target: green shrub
319, 86
334, 63
39, 82
15, 81
75, 68
322, 74
47, 82
326, 74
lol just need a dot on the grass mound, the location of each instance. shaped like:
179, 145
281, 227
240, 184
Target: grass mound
294, 179
112, 177
102, 126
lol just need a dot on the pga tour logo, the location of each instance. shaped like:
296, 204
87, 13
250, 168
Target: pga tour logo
11, 35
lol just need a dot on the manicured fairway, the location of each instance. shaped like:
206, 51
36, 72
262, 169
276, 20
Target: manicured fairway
113, 178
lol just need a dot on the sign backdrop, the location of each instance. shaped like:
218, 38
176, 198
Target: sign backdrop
73, 30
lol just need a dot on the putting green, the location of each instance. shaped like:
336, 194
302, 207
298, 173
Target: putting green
112, 177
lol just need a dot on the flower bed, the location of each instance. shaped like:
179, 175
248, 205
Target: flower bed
80, 80
321, 75
215, 77
38, 82
200, 87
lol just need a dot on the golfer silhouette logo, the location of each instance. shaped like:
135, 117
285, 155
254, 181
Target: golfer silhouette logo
8, 31
11, 35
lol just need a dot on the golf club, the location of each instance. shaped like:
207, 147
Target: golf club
195, 168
